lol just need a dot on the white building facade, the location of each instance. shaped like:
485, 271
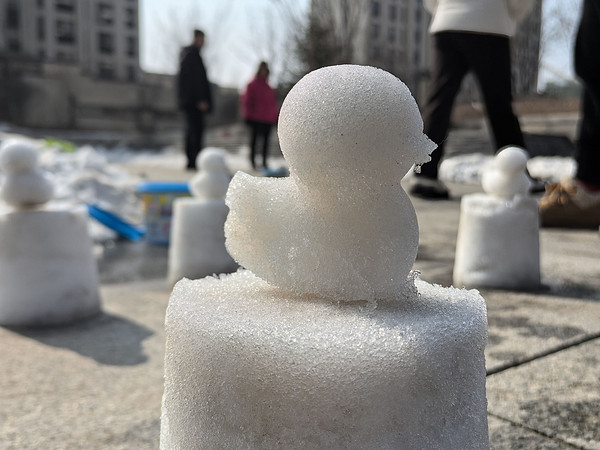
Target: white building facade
98, 36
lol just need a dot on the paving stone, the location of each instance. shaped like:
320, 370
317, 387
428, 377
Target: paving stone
97, 384
558, 396
504, 435
522, 325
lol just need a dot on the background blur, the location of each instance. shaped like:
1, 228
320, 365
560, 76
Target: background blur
109, 65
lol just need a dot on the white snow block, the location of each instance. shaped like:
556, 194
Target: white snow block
197, 244
249, 365
498, 243
48, 274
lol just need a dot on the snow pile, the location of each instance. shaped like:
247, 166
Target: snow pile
86, 176
468, 169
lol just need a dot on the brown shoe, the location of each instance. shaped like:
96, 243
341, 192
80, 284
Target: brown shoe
568, 205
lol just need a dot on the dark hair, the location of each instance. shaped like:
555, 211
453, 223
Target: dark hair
262, 65
198, 33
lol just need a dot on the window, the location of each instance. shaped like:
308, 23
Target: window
391, 56
374, 31
13, 15
64, 56
41, 28
393, 12
131, 46
392, 34
375, 8
65, 5
106, 71
403, 14
417, 37
14, 45
105, 14
130, 17
106, 43
65, 32
131, 73
374, 52
418, 15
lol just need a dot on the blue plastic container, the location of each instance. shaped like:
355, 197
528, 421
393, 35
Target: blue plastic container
157, 203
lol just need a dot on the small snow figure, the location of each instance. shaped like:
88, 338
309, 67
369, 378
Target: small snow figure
506, 177
197, 241
213, 179
340, 226
25, 185
498, 235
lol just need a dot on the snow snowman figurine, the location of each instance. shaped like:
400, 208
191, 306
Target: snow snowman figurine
25, 186
506, 175
48, 272
197, 241
498, 236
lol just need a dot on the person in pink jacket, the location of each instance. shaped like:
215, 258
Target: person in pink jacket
260, 111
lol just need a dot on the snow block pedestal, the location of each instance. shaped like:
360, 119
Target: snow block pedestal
48, 274
197, 246
498, 243
251, 366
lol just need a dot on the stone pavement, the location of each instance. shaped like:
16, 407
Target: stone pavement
98, 384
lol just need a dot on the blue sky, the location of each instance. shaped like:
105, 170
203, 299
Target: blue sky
240, 33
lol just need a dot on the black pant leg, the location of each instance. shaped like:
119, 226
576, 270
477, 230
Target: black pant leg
489, 58
266, 133
254, 132
587, 67
449, 69
194, 135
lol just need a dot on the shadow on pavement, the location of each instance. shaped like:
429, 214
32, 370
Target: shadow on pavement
106, 338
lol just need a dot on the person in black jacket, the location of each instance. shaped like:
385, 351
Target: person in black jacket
195, 98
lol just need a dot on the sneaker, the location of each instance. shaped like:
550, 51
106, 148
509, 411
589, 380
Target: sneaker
569, 205
428, 188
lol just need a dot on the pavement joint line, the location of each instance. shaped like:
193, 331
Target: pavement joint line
565, 346
533, 430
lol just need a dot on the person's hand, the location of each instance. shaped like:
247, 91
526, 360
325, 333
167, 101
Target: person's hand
202, 106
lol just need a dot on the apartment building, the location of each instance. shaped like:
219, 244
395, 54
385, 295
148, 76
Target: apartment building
74, 64
391, 34
396, 39
98, 36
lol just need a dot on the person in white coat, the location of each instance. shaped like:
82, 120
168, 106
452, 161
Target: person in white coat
469, 36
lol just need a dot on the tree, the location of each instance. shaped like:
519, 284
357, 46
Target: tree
558, 36
238, 36
330, 36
